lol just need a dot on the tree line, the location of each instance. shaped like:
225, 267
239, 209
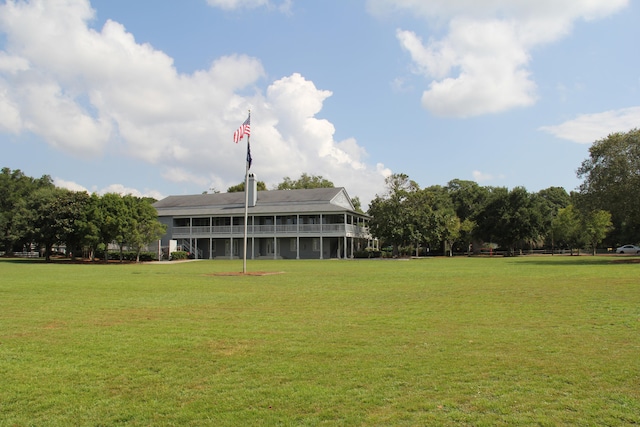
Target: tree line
36, 213
463, 213
604, 210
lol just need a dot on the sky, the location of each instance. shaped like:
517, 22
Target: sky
143, 97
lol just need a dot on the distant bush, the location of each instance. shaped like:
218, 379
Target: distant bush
127, 256
178, 255
367, 254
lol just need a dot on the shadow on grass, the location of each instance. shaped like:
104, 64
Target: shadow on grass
24, 260
66, 261
581, 260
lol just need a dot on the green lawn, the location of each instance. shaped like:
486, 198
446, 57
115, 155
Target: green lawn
464, 341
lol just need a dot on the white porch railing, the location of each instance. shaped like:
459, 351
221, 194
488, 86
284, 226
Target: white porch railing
349, 230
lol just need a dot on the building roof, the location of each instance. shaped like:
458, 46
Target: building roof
316, 200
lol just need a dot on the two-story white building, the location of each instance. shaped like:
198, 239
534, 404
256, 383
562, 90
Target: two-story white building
316, 223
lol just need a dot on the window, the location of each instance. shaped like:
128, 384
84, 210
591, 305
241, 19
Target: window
316, 245
293, 245
181, 222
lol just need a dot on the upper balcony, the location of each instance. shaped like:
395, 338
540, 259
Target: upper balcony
303, 230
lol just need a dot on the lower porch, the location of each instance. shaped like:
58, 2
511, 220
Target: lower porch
273, 247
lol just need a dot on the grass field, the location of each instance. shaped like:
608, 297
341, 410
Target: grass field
465, 341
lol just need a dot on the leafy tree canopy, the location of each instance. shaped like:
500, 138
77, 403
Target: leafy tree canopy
612, 182
304, 182
240, 187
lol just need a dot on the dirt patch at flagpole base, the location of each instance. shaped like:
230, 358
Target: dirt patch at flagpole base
248, 273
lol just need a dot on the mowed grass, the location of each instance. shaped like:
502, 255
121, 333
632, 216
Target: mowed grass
464, 341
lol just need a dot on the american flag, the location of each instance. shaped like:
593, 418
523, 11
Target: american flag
244, 129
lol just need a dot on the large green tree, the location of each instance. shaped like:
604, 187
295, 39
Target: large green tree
74, 207
511, 218
111, 220
16, 190
390, 213
444, 224
52, 215
566, 229
468, 198
596, 225
551, 200
238, 188
612, 182
575, 229
305, 181
143, 226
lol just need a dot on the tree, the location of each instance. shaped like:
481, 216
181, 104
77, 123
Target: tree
566, 228
551, 200
611, 182
15, 193
50, 217
111, 220
305, 181
357, 205
467, 230
389, 212
73, 207
468, 198
143, 226
511, 218
240, 187
419, 217
451, 228
596, 224
442, 228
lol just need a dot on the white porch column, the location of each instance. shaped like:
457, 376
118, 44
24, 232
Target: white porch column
321, 242
253, 237
352, 247
297, 236
345, 236
275, 237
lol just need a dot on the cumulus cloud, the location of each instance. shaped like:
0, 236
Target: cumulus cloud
588, 128
112, 188
481, 63
284, 6
482, 177
69, 185
96, 92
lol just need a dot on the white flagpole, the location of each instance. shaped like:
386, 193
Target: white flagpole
246, 203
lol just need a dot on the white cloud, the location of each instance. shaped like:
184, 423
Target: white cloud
284, 6
237, 4
481, 64
481, 177
10, 120
113, 188
90, 92
303, 143
69, 185
180, 175
588, 128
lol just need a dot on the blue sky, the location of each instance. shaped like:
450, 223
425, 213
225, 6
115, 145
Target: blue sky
143, 97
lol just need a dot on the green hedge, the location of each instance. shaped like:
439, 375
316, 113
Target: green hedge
127, 256
178, 255
367, 254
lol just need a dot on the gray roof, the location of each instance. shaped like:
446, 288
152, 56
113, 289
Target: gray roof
316, 200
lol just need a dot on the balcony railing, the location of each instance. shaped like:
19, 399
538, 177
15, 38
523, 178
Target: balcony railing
349, 230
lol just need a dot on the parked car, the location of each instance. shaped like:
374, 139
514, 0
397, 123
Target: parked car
628, 249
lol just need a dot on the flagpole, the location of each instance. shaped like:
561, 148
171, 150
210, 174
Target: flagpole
246, 205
